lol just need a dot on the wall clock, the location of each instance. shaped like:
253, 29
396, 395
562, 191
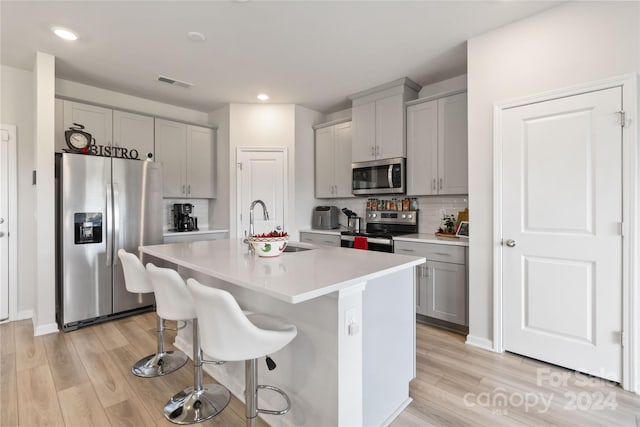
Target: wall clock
77, 139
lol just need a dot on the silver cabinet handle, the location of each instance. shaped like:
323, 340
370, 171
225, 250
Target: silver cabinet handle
189, 189
433, 184
1, 233
442, 253
407, 250
510, 243
373, 153
440, 183
1, 220
377, 150
183, 187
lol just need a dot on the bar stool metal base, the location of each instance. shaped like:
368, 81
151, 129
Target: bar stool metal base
158, 364
190, 407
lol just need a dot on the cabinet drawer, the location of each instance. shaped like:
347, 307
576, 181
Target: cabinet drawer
320, 239
432, 252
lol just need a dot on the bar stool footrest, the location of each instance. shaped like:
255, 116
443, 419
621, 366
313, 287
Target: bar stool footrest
282, 393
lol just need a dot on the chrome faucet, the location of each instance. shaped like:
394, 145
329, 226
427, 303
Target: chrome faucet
251, 208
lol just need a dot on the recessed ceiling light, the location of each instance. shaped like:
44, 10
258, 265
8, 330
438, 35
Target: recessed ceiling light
196, 36
64, 33
263, 97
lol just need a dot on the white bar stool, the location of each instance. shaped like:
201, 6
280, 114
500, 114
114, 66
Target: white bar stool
200, 402
162, 362
232, 335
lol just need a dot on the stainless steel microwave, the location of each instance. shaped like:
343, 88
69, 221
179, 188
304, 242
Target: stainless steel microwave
378, 177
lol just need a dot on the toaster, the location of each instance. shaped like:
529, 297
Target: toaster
325, 218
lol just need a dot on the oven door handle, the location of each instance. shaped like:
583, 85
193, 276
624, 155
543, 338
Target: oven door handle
390, 176
378, 240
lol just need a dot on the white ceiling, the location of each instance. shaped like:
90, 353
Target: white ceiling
311, 53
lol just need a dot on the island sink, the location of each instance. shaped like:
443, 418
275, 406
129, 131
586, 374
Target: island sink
292, 248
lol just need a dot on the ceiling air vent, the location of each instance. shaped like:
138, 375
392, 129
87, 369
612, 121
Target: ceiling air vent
174, 82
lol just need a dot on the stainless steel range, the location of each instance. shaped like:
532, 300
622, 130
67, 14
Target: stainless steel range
382, 226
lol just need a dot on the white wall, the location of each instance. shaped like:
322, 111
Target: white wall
17, 100
304, 168
108, 98
261, 125
574, 43
44, 314
219, 209
444, 87
338, 115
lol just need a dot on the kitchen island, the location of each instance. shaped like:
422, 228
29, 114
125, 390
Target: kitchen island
354, 355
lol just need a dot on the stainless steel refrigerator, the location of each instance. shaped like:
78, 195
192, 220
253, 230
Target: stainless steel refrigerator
104, 204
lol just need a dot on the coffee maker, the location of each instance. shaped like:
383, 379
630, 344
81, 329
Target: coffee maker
182, 219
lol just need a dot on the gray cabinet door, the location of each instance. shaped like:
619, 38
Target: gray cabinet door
446, 292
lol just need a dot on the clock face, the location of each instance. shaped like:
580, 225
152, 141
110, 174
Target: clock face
78, 140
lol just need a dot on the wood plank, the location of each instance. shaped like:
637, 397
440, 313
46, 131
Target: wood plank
29, 350
110, 336
130, 413
7, 338
110, 385
66, 366
8, 390
81, 406
37, 398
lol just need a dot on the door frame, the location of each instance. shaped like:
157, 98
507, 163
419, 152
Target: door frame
285, 194
13, 220
630, 211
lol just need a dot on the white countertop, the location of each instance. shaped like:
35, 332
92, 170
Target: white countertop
432, 238
191, 233
292, 277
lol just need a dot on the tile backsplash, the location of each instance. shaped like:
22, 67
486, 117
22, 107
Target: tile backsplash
200, 211
432, 209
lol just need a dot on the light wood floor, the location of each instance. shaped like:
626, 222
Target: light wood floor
83, 378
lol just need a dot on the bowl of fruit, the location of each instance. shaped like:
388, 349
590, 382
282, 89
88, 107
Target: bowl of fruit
269, 244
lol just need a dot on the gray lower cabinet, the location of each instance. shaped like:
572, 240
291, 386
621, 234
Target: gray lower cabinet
327, 239
441, 283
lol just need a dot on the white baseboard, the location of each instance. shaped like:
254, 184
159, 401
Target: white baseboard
479, 342
49, 328
24, 314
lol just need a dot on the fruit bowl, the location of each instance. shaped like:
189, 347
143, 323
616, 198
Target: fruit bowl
268, 246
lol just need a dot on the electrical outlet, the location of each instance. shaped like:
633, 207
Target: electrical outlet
351, 325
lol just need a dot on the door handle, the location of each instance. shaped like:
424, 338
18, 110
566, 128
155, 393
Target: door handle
440, 183
510, 243
109, 226
189, 189
117, 244
1, 233
1, 220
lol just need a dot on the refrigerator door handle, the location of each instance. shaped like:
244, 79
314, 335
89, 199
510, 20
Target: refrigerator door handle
109, 221
116, 223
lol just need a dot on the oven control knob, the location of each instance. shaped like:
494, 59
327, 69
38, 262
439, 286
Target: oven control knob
373, 215
409, 216
403, 216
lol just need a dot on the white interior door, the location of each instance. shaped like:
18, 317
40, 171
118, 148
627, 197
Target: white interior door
562, 232
262, 175
7, 217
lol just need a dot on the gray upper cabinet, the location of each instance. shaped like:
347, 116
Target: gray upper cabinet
333, 161
133, 132
187, 154
379, 120
130, 133
437, 146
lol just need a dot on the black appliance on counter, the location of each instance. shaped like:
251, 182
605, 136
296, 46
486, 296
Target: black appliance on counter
182, 219
382, 226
